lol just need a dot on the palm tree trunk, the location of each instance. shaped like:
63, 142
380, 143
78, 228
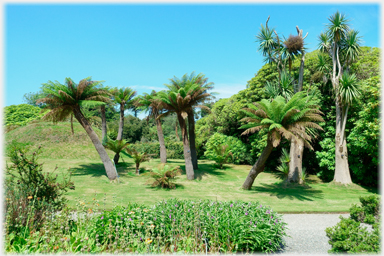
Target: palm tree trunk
342, 173
295, 160
187, 150
116, 158
177, 133
163, 150
258, 167
72, 125
192, 141
103, 123
109, 168
121, 125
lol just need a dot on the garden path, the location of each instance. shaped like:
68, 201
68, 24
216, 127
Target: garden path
306, 233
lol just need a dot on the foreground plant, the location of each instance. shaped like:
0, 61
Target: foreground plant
348, 236
63, 100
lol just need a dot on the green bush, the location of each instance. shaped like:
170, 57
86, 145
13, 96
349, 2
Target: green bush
349, 236
21, 114
235, 146
369, 210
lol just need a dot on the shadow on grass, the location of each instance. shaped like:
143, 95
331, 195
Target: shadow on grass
282, 190
98, 170
205, 169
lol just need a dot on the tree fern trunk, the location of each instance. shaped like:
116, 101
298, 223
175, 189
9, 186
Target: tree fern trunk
295, 160
258, 167
121, 125
72, 125
116, 158
108, 165
163, 150
103, 123
192, 136
187, 150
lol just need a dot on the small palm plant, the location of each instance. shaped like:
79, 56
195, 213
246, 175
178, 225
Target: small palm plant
138, 157
283, 168
116, 146
165, 175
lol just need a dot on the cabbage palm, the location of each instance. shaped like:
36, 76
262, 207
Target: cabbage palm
342, 44
199, 96
149, 103
65, 99
282, 120
123, 97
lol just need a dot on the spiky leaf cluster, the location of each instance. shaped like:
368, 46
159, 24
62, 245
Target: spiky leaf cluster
283, 119
63, 98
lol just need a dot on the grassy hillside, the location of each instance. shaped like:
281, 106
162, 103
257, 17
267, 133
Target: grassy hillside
56, 140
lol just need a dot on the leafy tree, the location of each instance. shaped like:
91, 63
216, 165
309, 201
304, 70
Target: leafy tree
343, 46
282, 120
149, 103
124, 98
31, 98
62, 100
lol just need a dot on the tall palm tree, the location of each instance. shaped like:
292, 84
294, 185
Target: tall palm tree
282, 120
123, 97
180, 102
198, 96
148, 103
64, 99
341, 43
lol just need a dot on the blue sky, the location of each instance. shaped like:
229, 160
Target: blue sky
143, 46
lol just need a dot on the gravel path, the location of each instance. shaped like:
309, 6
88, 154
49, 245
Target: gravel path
306, 233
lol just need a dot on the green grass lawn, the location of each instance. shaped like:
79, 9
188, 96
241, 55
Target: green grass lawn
61, 149
211, 183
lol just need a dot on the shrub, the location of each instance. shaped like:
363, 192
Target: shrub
349, 236
21, 114
165, 175
174, 149
138, 157
29, 191
235, 147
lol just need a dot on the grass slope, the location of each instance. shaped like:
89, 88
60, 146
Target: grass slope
78, 154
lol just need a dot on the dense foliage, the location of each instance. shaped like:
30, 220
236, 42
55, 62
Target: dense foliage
235, 147
21, 114
350, 236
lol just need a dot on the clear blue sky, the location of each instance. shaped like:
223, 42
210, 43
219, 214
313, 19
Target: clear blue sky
142, 46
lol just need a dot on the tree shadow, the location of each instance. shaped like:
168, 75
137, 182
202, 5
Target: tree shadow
205, 169
98, 170
289, 191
